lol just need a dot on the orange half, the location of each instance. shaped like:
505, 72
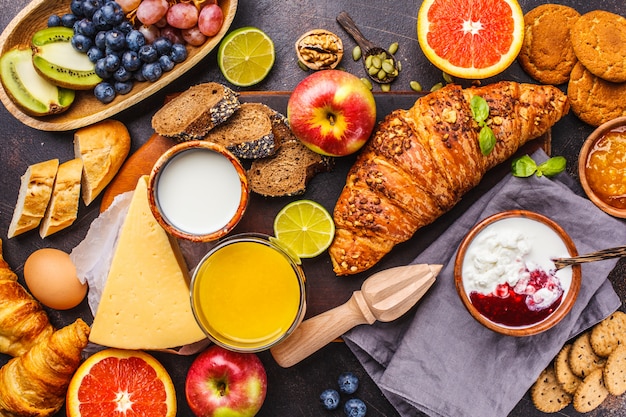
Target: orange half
471, 39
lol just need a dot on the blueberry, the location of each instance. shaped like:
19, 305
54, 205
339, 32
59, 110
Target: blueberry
100, 39
148, 53
125, 27
123, 87
138, 75
348, 383
115, 39
81, 42
166, 63
112, 13
101, 70
89, 7
355, 408
68, 20
112, 63
178, 53
151, 71
131, 61
85, 27
122, 74
104, 92
99, 20
163, 45
76, 7
54, 20
135, 40
94, 53
330, 399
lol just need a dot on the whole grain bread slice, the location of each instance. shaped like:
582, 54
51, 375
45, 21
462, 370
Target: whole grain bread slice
248, 133
288, 171
194, 112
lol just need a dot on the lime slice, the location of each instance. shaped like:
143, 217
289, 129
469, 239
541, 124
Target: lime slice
245, 56
305, 228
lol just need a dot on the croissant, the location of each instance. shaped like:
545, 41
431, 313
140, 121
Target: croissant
23, 322
35, 384
419, 162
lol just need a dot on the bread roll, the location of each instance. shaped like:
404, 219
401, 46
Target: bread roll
63, 207
33, 197
103, 148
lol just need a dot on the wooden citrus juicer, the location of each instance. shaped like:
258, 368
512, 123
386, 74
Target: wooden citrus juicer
385, 296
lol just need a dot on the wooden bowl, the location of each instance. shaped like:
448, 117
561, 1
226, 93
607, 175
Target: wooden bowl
86, 109
618, 124
541, 233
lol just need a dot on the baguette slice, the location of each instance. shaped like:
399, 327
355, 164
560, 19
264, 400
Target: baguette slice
288, 171
63, 207
193, 113
33, 197
247, 133
103, 148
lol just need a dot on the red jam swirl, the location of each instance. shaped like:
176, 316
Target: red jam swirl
510, 308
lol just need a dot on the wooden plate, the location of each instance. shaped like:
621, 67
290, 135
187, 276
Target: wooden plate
86, 109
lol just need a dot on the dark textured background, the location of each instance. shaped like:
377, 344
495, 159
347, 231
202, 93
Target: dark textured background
294, 391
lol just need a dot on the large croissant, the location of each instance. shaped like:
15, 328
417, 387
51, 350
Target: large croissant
23, 322
35, 384
419, 162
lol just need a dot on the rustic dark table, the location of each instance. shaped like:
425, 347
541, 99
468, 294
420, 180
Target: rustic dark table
294, 391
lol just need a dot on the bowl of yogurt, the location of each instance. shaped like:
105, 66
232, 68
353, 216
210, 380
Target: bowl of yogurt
505, 276
198, 191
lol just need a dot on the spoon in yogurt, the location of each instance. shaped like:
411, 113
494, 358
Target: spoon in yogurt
600, 255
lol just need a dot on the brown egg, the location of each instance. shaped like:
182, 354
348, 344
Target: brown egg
51, 278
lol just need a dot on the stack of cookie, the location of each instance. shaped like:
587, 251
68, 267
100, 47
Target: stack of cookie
585, 51
587, 370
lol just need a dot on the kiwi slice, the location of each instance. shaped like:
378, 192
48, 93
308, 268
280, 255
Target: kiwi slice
34, 94
55, 59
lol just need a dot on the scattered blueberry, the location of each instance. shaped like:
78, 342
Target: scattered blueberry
85, 27
54, 20
112, 13
330, 399
68, 20
76, 7
115, 39
100, 39
99, 20
348, 383
112, 63
131, 61
123, 87
166, 63
94, 54
148, 53
138, 75
163, 45
89, 7
104, 92
178, 52
125, 27
135, 40
152, 71
81, 42
122, 74
100, 69
354, 407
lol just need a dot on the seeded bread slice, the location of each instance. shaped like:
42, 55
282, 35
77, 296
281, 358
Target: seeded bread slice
193, 113
288, 171
247, 133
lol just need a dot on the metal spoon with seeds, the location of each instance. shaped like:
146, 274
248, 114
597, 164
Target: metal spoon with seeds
387, 70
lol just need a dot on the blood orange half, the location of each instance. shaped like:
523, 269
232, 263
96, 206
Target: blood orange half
472, 39
116, 382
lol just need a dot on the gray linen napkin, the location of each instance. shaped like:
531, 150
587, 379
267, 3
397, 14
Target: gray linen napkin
440, 361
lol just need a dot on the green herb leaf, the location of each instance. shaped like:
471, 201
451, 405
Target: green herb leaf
552, 166
486, 140
480, 109
523, 166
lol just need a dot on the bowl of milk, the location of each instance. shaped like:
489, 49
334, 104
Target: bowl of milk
198, 191
505, 275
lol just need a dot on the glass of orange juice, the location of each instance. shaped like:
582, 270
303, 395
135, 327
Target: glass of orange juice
247, 293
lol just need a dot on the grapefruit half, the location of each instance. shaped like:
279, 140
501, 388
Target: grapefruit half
471, 39
121, 383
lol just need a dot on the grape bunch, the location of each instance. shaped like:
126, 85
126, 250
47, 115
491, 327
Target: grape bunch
127, 50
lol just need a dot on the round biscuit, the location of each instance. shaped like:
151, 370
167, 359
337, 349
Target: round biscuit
547, 394
547, 53
609, 334
590, 393
582, 358
598, 38
615, 371
568, 379
594, 100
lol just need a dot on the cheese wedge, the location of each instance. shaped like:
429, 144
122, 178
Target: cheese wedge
145, 303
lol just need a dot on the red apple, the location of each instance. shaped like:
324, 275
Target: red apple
221, 382
332, 112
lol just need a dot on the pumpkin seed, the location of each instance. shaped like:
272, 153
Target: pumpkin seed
368, 61
376, 62
356, 53
447, 78
382, 74
367, 83
385, 87
302, 66
393, 48
372, 70
415, 86
436, 87
387, 66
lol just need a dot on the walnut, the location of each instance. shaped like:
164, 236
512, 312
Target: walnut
319, 49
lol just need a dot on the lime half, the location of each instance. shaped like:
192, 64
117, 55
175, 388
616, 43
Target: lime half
305, 228
245, 56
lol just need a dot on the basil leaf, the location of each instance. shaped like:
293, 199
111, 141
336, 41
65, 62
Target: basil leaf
552, 166
480, 109
486, 140
523, 166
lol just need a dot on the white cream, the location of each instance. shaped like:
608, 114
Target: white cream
504, 251
198, 191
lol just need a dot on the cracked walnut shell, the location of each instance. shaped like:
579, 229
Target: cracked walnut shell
319, 49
